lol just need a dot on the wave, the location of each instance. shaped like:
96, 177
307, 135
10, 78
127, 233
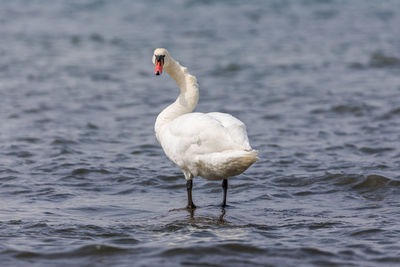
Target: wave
371, 186
393, 113
378, 60
365, 183
84, 251
83, 171
222, 249
374, 182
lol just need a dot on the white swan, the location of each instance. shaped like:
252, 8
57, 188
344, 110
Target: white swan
211, 145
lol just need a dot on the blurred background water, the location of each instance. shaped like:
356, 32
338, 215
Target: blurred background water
83, 181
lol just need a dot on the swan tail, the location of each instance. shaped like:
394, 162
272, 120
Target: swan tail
222, 165
248, 158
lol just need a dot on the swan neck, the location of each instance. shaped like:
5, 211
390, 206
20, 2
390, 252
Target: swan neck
188, 96
185, 81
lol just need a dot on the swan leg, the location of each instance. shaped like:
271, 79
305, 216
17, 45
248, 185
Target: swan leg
189, 185
225, 187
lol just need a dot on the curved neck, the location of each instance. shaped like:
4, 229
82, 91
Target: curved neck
187, 99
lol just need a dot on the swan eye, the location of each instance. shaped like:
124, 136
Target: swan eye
160, 58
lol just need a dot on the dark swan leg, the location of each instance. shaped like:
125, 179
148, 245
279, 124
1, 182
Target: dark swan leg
225, 187
189, 185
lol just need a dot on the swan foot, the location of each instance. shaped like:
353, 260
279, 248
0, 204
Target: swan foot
191, 207
225, 187
221, 217
189, 186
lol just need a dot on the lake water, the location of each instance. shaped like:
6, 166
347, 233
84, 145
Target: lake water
83, 181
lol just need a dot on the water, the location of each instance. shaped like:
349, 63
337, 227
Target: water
84, 182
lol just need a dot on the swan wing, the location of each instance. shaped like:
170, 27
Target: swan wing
235, 127
196, 134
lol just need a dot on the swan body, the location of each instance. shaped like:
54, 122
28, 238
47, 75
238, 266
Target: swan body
213, 145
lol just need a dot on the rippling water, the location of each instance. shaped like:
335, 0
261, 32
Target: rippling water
84, 182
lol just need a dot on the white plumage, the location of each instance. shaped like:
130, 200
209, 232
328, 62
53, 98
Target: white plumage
211, 145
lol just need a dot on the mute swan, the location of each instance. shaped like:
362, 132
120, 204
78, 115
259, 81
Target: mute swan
211, 145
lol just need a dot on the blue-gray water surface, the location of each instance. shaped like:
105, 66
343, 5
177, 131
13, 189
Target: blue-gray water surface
83, 181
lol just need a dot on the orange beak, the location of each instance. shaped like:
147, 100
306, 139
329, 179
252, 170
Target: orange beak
159, 65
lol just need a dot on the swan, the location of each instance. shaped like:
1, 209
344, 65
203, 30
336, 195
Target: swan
213, 145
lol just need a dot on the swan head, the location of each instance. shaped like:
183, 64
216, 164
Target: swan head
160, 59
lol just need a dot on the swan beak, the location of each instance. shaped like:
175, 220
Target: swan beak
159, 65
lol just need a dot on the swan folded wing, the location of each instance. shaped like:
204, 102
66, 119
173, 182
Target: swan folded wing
235, 127
197, 133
